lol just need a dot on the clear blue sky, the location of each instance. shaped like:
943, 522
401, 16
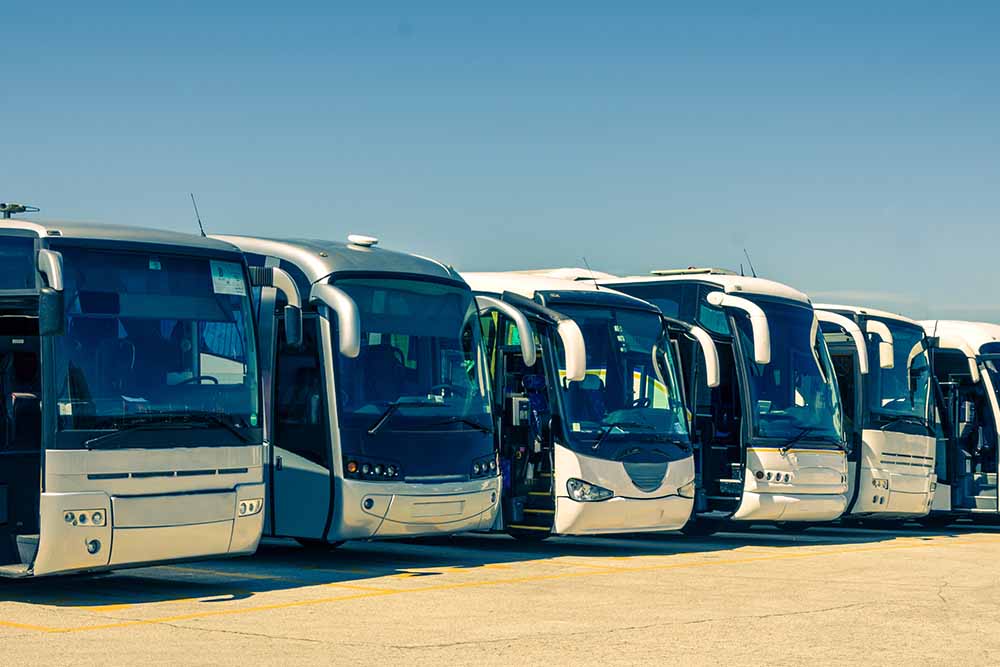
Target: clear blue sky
853, 148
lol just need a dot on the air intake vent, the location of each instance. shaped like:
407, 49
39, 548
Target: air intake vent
647, 476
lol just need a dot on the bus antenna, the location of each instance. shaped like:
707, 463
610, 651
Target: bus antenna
750, 262
592, 276
197, 215
9, 209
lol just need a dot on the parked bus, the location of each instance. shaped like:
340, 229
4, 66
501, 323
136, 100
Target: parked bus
130, 399
966, 363
769, 439
883, 372
593, 436
380, 423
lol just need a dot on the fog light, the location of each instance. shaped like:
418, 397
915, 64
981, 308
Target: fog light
759, 474
368, 503
93, 546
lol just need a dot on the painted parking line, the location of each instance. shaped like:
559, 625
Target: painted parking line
479, 584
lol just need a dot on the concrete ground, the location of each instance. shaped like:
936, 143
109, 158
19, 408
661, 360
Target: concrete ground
758, 597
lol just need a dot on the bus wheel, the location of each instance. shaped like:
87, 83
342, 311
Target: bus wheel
528, 535
701, 527
311, 544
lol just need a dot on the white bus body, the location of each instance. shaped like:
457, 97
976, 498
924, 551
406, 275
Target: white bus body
884, 375
128, 367
593, 437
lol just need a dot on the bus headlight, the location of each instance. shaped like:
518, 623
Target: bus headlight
251, 507
585, 492
485, 467
686, 491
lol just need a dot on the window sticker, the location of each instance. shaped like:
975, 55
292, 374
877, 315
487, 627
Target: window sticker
227, 278
65, 409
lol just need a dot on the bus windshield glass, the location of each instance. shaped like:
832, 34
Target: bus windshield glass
17, 262
156, 339
417, 395
903, 390
630, 393
795, 396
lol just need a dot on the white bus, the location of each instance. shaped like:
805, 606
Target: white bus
594, 436
883, 372
770, 441
966, 363
380, 423
130, 399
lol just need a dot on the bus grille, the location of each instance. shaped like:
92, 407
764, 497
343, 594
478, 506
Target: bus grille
646, 476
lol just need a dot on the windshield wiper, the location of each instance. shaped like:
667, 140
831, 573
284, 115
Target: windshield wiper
616, 425
462, 420
396, 405
153, 422
905, 419
795, 439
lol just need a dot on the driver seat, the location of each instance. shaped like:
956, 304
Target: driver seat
382, 372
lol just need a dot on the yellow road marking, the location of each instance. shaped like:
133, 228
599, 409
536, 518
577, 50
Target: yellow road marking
477, 584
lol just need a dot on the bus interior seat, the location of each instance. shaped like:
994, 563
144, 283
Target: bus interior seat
587, 398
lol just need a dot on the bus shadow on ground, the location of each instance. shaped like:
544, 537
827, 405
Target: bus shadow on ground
357, 567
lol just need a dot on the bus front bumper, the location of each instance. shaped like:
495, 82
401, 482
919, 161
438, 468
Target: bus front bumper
888, 494
377, 510
132, 531
794, 485
621, 515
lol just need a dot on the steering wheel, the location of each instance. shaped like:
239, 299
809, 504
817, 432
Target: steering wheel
643, 402
450, 390
198, 379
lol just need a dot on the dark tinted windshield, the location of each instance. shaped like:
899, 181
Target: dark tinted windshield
154, 338
796, 395
420, 373
17, 262
626, 395
902, 390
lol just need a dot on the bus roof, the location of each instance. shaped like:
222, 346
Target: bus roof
319, 259
729, 282
529, 284
962, 334
872, 312
92, 231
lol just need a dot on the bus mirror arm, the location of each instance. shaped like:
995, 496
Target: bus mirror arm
51, 299
885, 346
348, 319
711, 354
272, 276
525, 331
575, 348
758, 322
853, 330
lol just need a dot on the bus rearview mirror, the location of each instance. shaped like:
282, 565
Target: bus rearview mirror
51, 312
293, 326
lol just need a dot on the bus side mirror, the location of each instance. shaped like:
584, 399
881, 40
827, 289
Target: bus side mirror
51, 312
293, 326
280, 279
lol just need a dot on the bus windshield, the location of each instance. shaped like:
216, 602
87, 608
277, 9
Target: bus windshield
796, 395
17, 262
630, 393
903, 390
417, 395
155, 339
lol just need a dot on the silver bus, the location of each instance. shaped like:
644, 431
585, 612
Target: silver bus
379, 423
129, 397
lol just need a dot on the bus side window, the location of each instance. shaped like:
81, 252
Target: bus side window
300, 419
